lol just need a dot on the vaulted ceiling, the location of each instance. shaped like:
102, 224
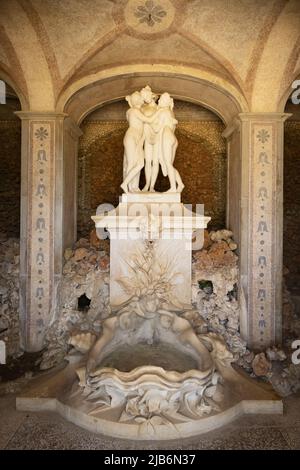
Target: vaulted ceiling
48, 46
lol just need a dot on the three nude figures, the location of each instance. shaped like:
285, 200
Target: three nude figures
150, 141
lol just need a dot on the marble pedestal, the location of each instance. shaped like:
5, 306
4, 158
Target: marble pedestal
162, 219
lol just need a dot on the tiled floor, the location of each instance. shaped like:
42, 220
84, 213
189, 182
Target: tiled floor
20, 430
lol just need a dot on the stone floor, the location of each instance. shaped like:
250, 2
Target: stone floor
20, 430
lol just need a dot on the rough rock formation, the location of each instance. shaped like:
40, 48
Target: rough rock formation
261, 366
9, 294
84, 298
215, 280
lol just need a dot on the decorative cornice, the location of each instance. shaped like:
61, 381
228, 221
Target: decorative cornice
35, 115
280, 117
246, 117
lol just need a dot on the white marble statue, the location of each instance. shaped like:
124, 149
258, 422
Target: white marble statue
149, 108
133, 143
166, 124
150, 141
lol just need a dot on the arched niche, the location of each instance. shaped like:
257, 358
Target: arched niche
291, 202
11, 84
224, 100
10, 208
200, 160
81, 98
10, 162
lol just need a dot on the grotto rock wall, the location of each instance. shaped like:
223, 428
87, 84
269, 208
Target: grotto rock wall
10, 171
9, 294
215, 281
84, 297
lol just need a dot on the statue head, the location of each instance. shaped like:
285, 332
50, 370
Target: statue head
149, 304
134, 100
147, 95
165, 101
166, 320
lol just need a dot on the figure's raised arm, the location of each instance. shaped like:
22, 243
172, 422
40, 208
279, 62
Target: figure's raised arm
146, 119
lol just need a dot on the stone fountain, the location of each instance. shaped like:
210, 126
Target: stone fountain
149, 375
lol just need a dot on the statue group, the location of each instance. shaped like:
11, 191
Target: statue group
150, 141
